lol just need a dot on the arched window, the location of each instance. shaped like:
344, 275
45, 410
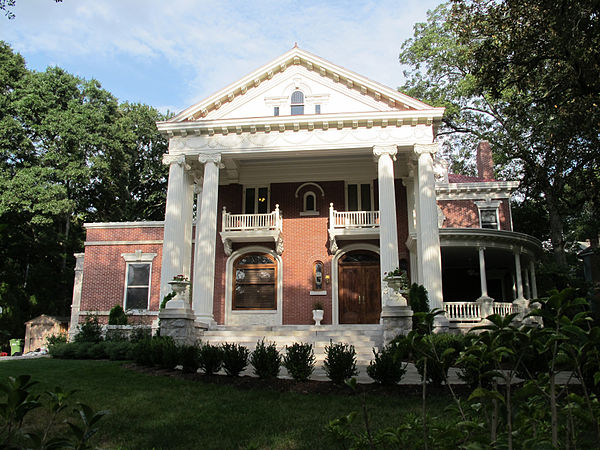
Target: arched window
310, 202
318, 276
254, 285
297, 103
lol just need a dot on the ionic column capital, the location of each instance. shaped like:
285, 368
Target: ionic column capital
214, 158
421, 149
168, 159
389, 150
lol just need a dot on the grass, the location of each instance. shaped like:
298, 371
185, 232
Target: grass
163, 412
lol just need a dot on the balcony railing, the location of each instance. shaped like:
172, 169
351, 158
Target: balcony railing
353, 219
471, 311
247, 222
504, 309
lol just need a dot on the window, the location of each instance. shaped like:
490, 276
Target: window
317, 109
254, 286
488, 218
137, 289
297, 103
318, 276
256, 200
309, 204
276, 111
359, 197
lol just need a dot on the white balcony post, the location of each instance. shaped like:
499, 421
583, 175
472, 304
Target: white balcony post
482, 274
388, 234
174, 239
518, 275
416, 220
428, 232
534, 292
204, 267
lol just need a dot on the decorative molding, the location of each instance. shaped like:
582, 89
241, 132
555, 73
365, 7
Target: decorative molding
148, 224
481, 190
302, 186
432, 149
146, 242
214, 158
380, 150
169, 159
476, 237
138, 256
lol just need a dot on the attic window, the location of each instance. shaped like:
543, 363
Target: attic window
297, 103
276, 110
317, 109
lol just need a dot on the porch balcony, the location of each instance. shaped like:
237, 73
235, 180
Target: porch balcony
352, 225
263, 227
466, 314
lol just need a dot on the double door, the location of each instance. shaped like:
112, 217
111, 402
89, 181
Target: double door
359, 289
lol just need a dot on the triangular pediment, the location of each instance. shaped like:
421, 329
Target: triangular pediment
333, 88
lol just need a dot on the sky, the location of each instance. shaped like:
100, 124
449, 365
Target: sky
171, 54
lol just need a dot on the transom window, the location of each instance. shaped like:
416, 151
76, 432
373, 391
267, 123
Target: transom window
297, 103
254, 285
137, 289
256, 200
359, 197
489, 218
318, 276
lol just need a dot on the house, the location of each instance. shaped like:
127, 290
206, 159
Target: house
306, 182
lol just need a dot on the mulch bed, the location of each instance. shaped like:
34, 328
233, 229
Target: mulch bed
302, 387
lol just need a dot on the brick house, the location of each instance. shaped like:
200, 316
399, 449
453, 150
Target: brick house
304, 182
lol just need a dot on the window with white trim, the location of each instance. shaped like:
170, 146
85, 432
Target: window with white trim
256, 200
297, 103
318, 276
488, 214
255, 282
359, 197
309, 204
137, 287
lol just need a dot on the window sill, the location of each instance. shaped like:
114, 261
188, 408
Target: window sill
254, 311
309, 213
318, 292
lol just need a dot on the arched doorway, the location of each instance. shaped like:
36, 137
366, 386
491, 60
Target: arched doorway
359, 287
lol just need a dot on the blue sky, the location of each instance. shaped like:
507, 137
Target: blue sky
172, 53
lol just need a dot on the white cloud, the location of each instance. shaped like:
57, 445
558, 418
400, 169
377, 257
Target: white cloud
213, 43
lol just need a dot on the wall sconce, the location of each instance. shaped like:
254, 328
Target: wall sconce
327, 279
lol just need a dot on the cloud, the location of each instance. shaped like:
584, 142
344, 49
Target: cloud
212, 43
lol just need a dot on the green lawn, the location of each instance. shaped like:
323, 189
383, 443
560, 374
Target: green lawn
163, 412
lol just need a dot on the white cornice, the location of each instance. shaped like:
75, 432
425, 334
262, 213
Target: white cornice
296, 57
473, 237
476, 190
148, 224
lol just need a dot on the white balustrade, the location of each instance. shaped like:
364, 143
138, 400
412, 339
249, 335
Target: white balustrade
353, 219
244, 222
462, 311
504, 309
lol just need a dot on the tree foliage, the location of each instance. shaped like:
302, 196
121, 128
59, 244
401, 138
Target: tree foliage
69, 154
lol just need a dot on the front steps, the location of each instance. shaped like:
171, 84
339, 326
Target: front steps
363, 337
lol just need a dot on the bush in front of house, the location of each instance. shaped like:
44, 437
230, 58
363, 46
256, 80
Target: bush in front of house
265, 360
117, 316
235, 358
210, 358
119, 350
386, 367
142, 352
340, 362
89, 331
441, 352
299, 360
189, 357
164, 352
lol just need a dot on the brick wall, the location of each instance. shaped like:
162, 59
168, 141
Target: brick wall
464, 214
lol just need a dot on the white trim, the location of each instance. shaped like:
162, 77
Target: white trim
146, 242
309, 212
256, 187
137, 312
141, 224
488, 205
484, 190
310, 183
359, 184
335, 317
126, 285
138, 256
318, 293
229, 312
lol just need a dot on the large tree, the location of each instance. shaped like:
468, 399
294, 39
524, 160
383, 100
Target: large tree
531, 137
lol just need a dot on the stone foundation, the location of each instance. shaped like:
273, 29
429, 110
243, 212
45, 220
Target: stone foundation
395, 320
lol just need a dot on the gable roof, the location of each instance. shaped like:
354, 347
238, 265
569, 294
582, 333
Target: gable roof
299, 57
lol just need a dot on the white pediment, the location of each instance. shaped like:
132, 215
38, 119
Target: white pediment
334, 89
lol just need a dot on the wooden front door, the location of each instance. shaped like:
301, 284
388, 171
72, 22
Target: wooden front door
359, 295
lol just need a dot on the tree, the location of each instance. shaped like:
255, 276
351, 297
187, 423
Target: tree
530, 140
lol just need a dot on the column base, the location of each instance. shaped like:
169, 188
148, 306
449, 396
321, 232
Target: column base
440, 324
205, 322
396, 320
179, 324
486, 305
522, 305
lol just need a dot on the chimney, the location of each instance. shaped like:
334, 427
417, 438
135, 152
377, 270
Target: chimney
485, 162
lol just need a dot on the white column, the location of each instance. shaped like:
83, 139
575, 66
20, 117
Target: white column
418, 226
188, 216
518, 275
388, 231
174, 242
204, 273
526, 284
534, 292
428, 233
197, 237
76, 303
482, 275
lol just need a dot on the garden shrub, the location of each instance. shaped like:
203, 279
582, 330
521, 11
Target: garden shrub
418, 300
164, 352
119, 350
402, 347
210, 358
387, 368
96, 351
299, 360
117, 316
89, 331
58, 350
265, 360
55, 339
142, 352
340, 362
139, 333
441, 352
235, 358
189, 357
116, 335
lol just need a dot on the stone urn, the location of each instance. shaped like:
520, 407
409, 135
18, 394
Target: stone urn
317, 316
181, 299
397, 284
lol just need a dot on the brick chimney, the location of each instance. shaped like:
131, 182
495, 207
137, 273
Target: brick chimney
485, 162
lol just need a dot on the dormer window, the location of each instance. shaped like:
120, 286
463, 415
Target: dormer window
488, 214
297, 103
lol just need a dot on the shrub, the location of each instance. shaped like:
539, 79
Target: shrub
299, 360
117, 316
418, 299
386, 368
235, 358
95, 350
139, 333
119, 350
164, 352
142, 352
55, 339
210, 358
340, 362
265, 360
116, 335
402, 347
441, 352
89, 331
189, 355
58, 350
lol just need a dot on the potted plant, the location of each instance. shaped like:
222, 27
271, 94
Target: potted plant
179, 285
317, 313
397, 280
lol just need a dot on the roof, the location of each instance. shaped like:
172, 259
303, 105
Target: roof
45, 317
